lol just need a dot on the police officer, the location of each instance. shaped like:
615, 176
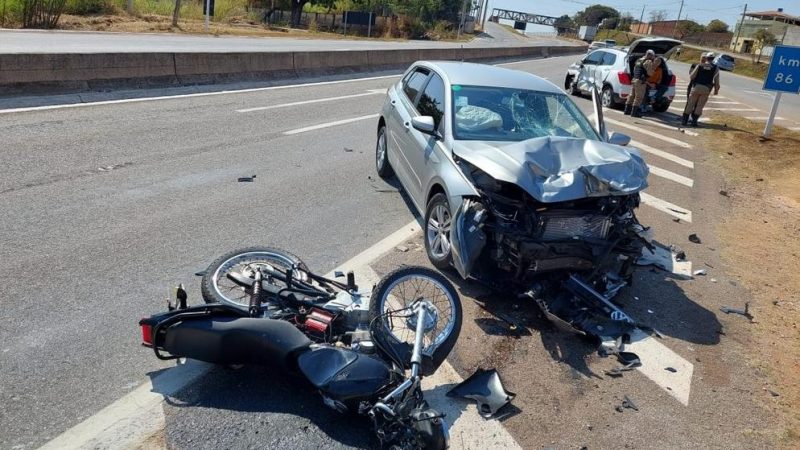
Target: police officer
704, 78
641, 71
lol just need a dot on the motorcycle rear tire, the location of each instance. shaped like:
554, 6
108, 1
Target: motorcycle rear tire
385, 337
210, 293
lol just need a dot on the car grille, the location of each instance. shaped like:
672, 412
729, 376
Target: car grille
567, 226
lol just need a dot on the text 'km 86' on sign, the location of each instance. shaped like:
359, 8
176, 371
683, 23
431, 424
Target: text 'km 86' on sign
784, 70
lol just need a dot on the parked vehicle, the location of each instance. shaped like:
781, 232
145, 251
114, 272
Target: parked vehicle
364, 351
725, 62
595, 45
609, 71
516, 187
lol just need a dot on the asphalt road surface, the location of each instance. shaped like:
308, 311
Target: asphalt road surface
17, 41
108, 206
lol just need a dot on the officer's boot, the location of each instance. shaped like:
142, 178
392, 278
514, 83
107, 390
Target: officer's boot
628, 109
636, 112
695, 117
685, 120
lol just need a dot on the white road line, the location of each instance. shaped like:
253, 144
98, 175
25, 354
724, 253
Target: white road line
668, 139
468, 430
330, 124
663, 154
672, 176
713, 96
667, 207
764, 118
655, 358
139, 415
198, 94
729, 109
710, 102
651, 121
316, 100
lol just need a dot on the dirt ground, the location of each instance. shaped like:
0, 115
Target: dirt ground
762, 244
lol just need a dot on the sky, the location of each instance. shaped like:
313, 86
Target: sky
701, 11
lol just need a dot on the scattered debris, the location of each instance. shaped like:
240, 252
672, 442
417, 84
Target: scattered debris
200, 273
619, 408
677, 220
246, 179
699, 272
677, 211
742, 312
759, 179
713, 280
671, 369
401, 248
776, 302
348, 150
628, 403
629, 359
512, 324
709, 265
723, 193
773, 393
486, 388
650, 311
730, 153
694, 238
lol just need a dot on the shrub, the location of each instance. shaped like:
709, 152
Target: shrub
87, 7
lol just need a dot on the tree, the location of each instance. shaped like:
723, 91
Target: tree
658, 15
176, 13
595, 14
625, 22
717, 26
764, 38
689, 27
564, 24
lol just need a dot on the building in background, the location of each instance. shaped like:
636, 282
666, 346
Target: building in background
785, 27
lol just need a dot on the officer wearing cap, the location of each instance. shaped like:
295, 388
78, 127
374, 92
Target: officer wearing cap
703, 79
641, 71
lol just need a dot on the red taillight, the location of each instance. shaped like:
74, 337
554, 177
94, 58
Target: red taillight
624, 78
147, 335
673, 81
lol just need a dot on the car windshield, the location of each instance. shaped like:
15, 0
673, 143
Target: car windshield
727, 58
507, 114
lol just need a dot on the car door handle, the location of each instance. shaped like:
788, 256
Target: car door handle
407, 125
393, 102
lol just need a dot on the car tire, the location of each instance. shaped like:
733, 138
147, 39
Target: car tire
572, 86
661, 107
438, 222
607, 97
382, 165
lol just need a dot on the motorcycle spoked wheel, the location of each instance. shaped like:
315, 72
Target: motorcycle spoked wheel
217, 288
389, 309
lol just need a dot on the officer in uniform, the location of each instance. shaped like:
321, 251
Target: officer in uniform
704, 78
641, 71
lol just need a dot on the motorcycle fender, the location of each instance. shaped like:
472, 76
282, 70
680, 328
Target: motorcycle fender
467, 237
486, 388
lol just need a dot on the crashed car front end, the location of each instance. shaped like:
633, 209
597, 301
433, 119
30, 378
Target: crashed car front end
554, 218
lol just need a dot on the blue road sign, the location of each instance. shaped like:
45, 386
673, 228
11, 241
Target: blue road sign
784, 70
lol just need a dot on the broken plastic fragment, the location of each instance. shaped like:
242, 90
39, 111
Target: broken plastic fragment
486, 388
699, 272
694, 238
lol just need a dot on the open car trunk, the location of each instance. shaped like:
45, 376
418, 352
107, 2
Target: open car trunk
661, 46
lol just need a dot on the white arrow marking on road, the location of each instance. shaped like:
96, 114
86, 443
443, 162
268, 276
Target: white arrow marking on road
330, 124
318, 100
667, 207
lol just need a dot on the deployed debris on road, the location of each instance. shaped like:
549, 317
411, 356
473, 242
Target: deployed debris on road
486, 388
742, 312
249, 179
694, 238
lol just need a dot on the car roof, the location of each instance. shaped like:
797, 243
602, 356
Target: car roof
472, 74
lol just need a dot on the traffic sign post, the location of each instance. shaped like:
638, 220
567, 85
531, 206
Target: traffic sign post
783, 76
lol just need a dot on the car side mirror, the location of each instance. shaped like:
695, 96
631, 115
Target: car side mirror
619, 139
424, 124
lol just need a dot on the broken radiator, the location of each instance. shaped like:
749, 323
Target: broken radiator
567, 225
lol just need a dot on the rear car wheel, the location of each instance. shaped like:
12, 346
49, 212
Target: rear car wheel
570, 86
661, 106
382, 165
607, 97
437, 231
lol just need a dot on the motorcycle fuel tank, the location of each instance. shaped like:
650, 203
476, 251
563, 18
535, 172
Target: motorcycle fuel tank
344, 375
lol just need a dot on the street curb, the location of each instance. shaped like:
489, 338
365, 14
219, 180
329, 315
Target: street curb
34, 73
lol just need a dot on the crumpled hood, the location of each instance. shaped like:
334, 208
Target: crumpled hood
557, 169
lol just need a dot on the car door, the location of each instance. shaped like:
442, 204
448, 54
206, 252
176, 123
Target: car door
586, 76
603, 70
399, 125
422, 155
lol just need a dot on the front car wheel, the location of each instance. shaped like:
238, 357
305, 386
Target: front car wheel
437, 231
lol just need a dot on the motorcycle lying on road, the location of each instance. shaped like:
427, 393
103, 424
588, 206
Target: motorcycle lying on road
365, 352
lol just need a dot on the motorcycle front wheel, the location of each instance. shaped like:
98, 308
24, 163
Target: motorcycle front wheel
216, 287
391, 311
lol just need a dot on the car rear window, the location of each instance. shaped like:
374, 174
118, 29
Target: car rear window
727, 58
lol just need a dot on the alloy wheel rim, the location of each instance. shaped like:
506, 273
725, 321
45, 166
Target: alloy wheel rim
606, 98
381, 153
438, 232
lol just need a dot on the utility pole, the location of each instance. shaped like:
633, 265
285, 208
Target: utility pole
641, 19
677, 21
739, 29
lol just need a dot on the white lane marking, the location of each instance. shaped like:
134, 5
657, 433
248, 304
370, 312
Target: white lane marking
710, 102
764, 118
330, 124
713, 96
667, 207
655, 358
663, 154
468, 430
762, 93
650, 133
664, 258
730, 109
317, 100
198, 94
672, 176
654, 122
138, 415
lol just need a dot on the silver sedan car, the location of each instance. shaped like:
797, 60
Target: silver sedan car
506, 170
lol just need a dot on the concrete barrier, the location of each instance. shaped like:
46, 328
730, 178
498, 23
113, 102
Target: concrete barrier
35, 73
